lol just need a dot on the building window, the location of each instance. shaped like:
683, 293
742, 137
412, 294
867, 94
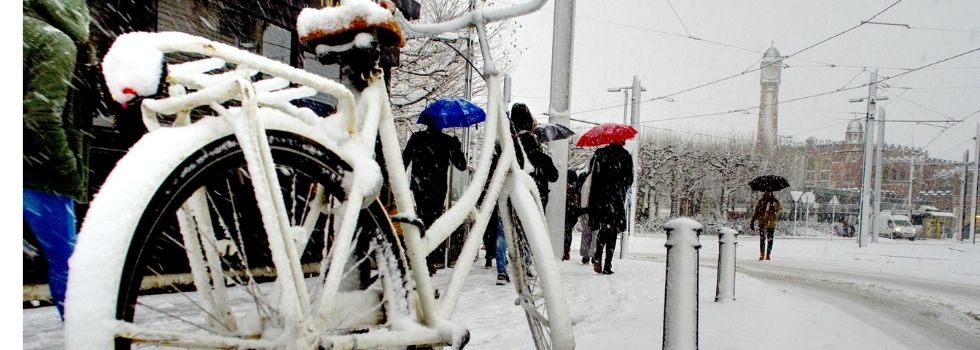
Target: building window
810, 170
825, 171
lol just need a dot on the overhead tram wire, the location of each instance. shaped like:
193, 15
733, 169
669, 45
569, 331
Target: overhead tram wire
679, 18
899, 96
950, 127
822, 93
718, 43
852, 79
754, 69
935, 88
955, 148
819, 64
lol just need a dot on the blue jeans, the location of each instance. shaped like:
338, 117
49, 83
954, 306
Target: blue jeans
52, 218
501, 248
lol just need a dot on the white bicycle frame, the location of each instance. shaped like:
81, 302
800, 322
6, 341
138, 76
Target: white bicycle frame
362, 120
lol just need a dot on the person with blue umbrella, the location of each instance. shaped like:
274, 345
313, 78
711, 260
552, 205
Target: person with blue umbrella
429, 153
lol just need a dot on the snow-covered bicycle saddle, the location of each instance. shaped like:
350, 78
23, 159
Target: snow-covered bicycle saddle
339, 25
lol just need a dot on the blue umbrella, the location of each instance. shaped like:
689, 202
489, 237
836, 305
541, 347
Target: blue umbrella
452, 113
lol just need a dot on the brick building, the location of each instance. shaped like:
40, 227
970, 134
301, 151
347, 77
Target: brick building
834, 168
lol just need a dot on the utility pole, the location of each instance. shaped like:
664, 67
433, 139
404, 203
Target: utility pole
867, 217
507, 90
973, 188
960, 220
878, 154
558, 113
911, 178
637, 89
911, 170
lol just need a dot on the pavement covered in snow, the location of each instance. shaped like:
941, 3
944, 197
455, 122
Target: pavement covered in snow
816, 293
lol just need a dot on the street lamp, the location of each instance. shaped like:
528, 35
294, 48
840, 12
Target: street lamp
626, 99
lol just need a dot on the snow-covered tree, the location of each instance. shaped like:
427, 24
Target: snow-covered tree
431, 69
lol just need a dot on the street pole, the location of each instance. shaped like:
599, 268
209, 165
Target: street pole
833, 217
878, 154
911, 170
866, 216
796, 216
634, 149
558, 113
973, 188
626, 104
507, 90
464, 178
911, 178
960, 219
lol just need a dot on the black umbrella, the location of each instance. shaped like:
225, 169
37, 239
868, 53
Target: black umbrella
768, 183
547, 132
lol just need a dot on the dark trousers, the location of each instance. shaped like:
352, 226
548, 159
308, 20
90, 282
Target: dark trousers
430, 207
606, 241
490, 236
570, 220
765, 234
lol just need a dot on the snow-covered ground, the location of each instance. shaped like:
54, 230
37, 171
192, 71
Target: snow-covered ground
816, 293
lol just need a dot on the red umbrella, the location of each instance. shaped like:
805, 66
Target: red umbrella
605, 134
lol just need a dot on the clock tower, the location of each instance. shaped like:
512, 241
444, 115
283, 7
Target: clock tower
770, 69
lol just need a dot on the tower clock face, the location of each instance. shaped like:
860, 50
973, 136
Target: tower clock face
771, 72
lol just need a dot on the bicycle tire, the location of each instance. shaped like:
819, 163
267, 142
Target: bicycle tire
539, 306
143, 246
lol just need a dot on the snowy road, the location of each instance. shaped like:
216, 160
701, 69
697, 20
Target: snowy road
920, 312
920, 321
924, 294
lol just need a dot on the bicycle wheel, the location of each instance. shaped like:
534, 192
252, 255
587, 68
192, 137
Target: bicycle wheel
189, 262
535, 278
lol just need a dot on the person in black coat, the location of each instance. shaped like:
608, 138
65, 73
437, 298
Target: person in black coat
612, 174
544, 168
572, 188
429, 153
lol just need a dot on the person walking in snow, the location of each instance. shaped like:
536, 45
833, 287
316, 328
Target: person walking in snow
54, 148
544, 168
587, 241
429, 153
766, 214
493, 237
572, 210
612, 174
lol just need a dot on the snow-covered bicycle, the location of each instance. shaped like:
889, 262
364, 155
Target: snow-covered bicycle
244, 221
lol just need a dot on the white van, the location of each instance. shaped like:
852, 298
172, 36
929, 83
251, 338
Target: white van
895, 226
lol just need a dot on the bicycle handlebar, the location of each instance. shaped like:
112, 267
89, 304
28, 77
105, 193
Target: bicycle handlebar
478, 16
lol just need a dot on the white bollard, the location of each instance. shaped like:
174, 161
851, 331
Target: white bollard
727, 243
681, 291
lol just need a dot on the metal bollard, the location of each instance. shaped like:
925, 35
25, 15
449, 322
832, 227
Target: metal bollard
727, 243
681, 287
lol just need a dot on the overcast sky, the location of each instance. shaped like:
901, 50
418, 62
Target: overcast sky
616, 39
